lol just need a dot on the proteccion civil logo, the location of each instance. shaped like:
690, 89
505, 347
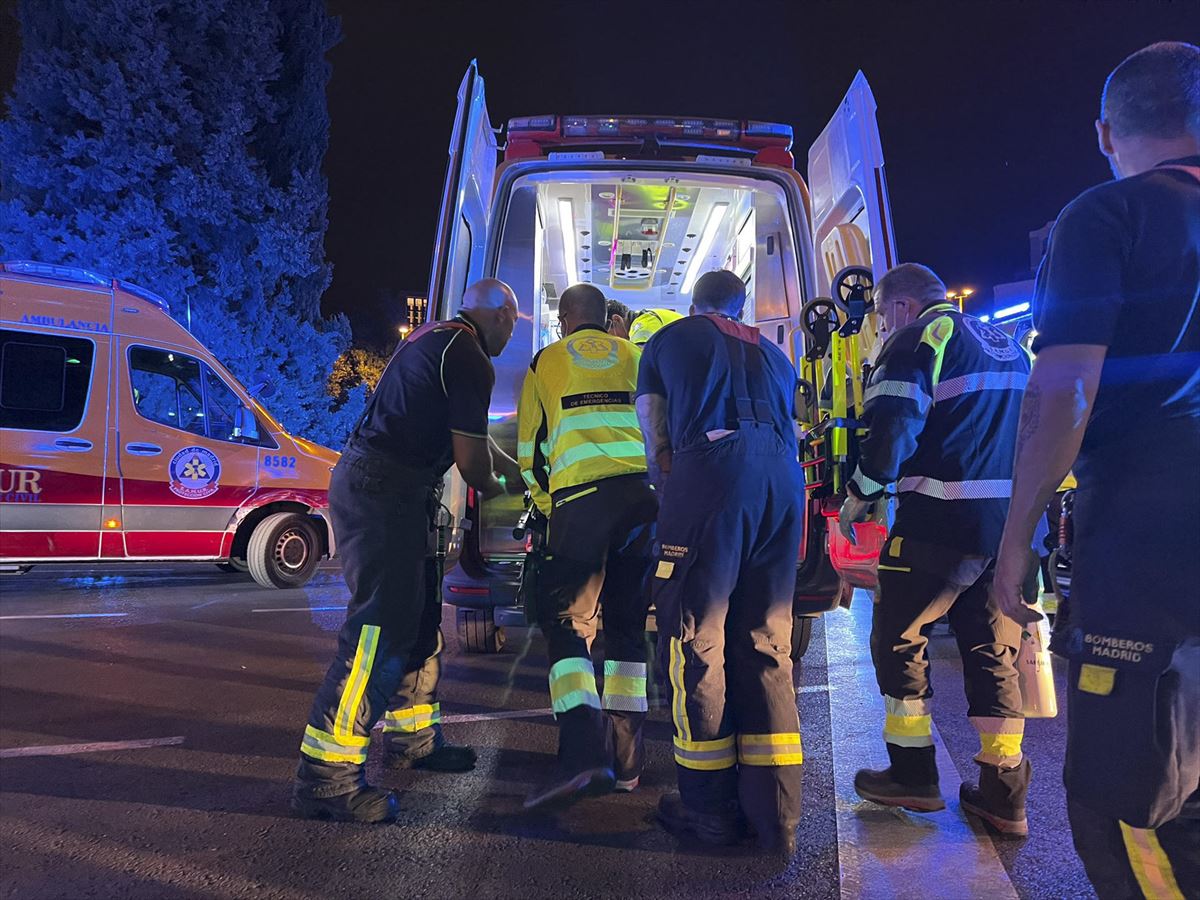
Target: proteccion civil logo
194, 473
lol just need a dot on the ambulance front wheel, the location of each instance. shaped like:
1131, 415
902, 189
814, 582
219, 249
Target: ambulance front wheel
284, 551
801, 635
478, 631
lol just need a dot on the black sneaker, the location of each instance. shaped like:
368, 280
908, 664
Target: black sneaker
366, 804
569, 787
708, 828
446, 758
882, 788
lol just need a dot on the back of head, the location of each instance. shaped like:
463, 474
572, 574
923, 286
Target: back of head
720, 292
616, 308
584, 303
488, 293
910, 281
1155, 93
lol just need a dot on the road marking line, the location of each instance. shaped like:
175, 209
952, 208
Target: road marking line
297, 609
96, 747
70, 616
885, 852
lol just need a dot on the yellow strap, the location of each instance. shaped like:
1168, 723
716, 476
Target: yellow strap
1150, 864
356, 683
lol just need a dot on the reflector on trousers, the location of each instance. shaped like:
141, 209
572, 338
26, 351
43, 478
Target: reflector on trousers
706, 756
1150, 864
999, 740
683, 729
572, 684
908, 723
625, 686
324, 746
413, 718
776, 749
356, 681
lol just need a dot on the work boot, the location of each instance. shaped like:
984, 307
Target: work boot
364, 804
567, 787
999, 798
780, 843
445, 758
718, 829
911, 781
584, 766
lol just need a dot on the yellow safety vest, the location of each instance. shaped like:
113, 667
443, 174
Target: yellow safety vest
576, 421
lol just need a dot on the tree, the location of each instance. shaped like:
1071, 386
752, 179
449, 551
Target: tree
357, 366
177, 144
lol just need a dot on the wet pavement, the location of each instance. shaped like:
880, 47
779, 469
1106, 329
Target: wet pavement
196, 684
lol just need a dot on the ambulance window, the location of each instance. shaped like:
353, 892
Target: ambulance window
222, 403
44, 380
166, 388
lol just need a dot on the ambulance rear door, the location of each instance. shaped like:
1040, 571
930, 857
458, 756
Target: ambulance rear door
851, 219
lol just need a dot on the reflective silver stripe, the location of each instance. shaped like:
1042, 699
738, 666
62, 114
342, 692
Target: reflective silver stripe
865, 484
625, 704
177, 518
51, 516
980, 381
984, 489
619, 667
905, 389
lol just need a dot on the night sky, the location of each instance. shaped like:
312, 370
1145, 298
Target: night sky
985, 108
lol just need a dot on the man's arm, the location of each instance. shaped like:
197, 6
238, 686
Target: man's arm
504, 465
652, 416
473, 457
1054, 416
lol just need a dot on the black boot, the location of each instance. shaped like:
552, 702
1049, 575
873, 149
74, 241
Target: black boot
718, 829
363, 804
444, 758
999, 798
584, 760
911, 781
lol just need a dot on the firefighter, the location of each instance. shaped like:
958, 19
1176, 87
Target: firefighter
715, 403
428, 411
1115, 392
941, 407
649, 322
582, 458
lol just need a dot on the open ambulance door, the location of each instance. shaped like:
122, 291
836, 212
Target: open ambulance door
458, 252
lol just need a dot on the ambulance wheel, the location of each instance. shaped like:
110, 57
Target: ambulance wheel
478, 632
284, 551
801, 635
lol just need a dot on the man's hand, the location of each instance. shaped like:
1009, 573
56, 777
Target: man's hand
506, 466
493, 488
618, 327
853, 510
1007, 588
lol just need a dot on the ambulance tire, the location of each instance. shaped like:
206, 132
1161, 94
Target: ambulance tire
801, 635
478, 632
284, 551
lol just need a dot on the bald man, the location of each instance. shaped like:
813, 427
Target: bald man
428, 411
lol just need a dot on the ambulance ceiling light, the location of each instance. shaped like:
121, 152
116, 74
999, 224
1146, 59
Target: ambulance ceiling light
566, 224
1014, 310
716, 215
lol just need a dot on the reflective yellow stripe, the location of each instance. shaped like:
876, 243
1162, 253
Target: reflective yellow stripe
908, 726
706, 756
575, 496
936, 336
1150, 864
356, 684
897, 542
679, 715
324, 746
572, 684
613, 421
883, 568
413, 718
998, 749
774, 749
625, 686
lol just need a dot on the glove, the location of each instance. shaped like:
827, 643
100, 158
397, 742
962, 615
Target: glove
853, 510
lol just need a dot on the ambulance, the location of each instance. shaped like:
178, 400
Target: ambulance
122, 438
641, 206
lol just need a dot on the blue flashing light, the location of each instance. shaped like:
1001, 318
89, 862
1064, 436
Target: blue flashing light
49, 270
145, 294
985, 318
768, 129
1015, 309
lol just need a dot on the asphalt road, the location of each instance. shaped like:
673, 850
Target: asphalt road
213, 677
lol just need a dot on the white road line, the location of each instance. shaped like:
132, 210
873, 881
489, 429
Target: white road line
96, 747
297, 609
70, 616
884, 852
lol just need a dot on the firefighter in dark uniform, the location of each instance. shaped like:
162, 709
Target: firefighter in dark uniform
715, 403
428, 411
941, 408
1115, 391
582, 458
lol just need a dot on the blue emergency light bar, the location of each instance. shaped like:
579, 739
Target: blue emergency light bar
1010, 311
61, 273
547, 128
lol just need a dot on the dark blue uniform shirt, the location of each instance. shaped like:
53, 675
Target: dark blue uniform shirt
688, 363
1123, 271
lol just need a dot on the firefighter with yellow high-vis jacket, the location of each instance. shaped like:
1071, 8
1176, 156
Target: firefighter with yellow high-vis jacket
942, 408
582, 457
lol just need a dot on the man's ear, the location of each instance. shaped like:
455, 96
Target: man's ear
1104, 137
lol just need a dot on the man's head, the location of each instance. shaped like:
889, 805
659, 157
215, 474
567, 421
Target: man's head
579, 305
719, 292
492, 306
1150, 108
904, 291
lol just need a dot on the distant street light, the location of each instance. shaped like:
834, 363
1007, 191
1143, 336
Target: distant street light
960, 296
404, 331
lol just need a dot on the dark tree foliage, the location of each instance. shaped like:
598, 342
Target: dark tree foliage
178, 144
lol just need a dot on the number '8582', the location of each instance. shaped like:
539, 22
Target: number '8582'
279, 462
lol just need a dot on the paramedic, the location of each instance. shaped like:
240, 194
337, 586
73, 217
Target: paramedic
429, 411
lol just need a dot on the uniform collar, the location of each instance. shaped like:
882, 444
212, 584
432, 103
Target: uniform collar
940, 306
587, 328
466, 320
1182, 161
